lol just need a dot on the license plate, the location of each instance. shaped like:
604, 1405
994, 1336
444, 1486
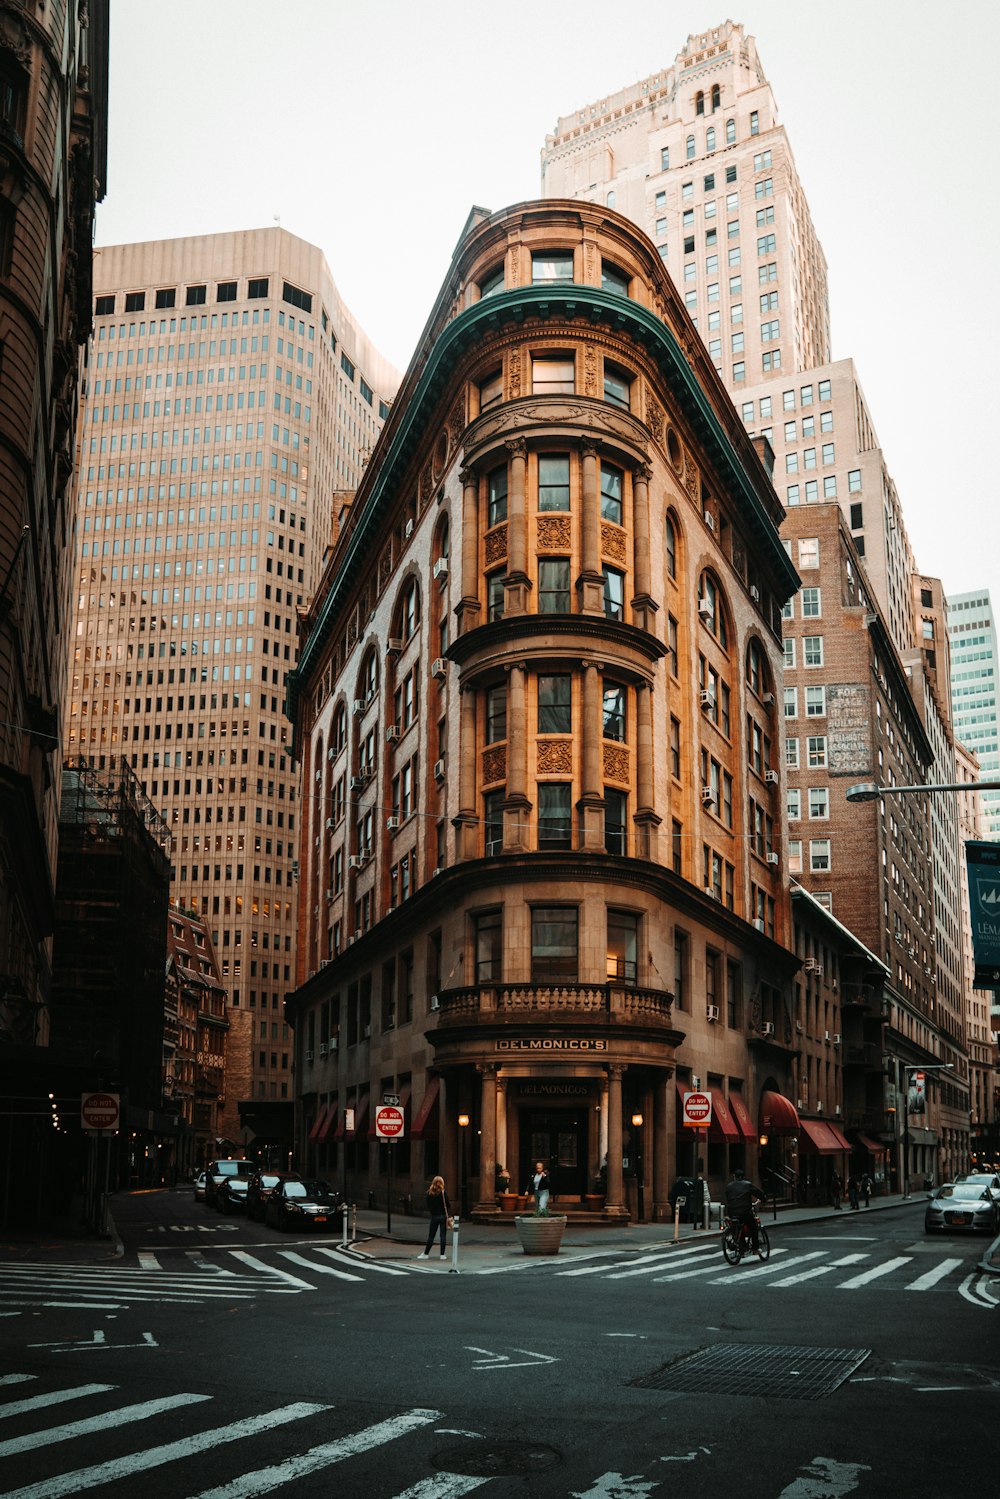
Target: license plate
960, 1218
320, 1218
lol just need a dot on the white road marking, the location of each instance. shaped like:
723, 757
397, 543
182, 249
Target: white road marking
686, 1457
443, 1486
148, 1260
249, 1485
72, 1306
984, 1289
369, 1264
710, 1269
644, 1265
153, 1457
678, 1257
617, 1486
767, 1269
825, 1479
300, 1259
97, 1341
875, 1274
793, 1280
17, 1378
73, 1429
200, 1263
55, 1397
255, 1264
931, 1277
491, 1360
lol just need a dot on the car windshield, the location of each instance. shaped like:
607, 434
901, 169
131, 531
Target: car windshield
317, 1188
964, 1192
269, 1181
295, 1189
232, 1168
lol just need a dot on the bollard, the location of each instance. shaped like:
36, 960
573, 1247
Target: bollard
354, 1221
679, 1203
453, 1268
708, 1207
343, 1225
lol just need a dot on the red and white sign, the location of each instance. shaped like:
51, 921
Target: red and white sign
389, 1122
99, 1110
698, 1110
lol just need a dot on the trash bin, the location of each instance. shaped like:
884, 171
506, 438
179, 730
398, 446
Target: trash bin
692, 1208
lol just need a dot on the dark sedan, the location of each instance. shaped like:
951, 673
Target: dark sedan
961, 1205
302, 1205
231, 1196
262, 1184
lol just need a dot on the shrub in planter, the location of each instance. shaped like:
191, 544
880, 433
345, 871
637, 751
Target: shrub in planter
540, 1233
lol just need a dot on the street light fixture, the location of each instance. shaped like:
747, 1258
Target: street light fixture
870, 791
932, 1067
637, 1126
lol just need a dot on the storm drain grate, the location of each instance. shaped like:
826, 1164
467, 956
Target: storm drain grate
783, 1373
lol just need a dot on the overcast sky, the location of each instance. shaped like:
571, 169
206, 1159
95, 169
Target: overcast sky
371, 129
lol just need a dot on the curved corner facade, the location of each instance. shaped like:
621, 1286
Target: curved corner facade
542, 889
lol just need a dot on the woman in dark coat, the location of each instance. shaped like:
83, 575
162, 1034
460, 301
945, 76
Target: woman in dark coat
440, 1211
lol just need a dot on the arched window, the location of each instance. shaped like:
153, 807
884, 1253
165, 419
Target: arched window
716, 96
712, 610
409, 611
369, 677
699, 103
441, 545
710, 138
612, 199
670, 543
689, 148
730, 132
759, 678
338, 739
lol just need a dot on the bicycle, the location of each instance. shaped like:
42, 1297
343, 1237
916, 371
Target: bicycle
736, 1240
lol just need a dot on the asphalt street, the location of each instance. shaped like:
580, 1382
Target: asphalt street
214, 1357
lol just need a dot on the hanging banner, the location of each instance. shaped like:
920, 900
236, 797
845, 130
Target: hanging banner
983, 865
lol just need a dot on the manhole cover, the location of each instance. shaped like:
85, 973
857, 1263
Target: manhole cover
495, 1459
753, 1369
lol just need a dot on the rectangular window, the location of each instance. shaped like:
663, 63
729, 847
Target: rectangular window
614, 592
555, 704
681, 951
491, 390
496, 488
824, 390
819, 855
808, 552
819, 801
792, 754
854, 481
817, 751
613, 279
791, 700
793, 803
795, 856
496, 595
811, 603
296, 297
664, 159
554, 944
552, 265
614, 711
788, 646
857, 516
623, 946
734, 991
555, 815
771, 360
488, 941
815, 702
552, 377
812, 650
553, 481
617, 387
766, 244
492, 823
167, 297
675, 748
135, 301
553, 585
257, 288
615, 826
827, 454
496, 714
225, 291
347, 366
104, 306
611, 493
830, 487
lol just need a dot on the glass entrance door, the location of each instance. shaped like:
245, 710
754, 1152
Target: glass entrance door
557, 1137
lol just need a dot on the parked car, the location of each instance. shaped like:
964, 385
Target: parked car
302, 1204
988, 1179
232, 1194
199, 1186
961, 1205
262, 1184
217, 1171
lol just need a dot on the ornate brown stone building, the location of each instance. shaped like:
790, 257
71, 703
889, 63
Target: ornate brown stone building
535, 705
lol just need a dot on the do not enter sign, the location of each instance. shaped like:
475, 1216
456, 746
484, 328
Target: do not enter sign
389, 1122
99, 1110
698, 1110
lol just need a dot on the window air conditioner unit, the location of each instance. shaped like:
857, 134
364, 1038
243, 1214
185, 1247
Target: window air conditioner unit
329, 892
755, 593
367, 1032
333, 1044
800, 1103
771, 777
408, 529
392, 733
309, 1056
707, 795
772, 858
836, 1108
349, 941
819, 1105
768, 699
434, 1003
355, 861
767, 1029
827, 1037
359, 705
325, 962
439, 769
439, 667
705, 609
331, 753
392, 824
394, 643
819, 970
758, 922
709, 519
836, 1038
330, 824
322, 1049
707, 699
712, 1013
358, 783
436, 870
710, 890
441, 568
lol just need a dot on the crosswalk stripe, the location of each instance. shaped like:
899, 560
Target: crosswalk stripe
300, 1259
249, 1485
153, 1457
443, 1486
285, 1275
675, 1256
794, 1280
72, 1306
931, 1277
200, 1263
338, 1254
876, 1273
55, 1397
122, 1281
73, 1429
148, 1260
17, 1378
768, 1269
650, 1264
708, 1270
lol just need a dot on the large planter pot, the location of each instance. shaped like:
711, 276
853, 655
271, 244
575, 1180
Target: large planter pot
507, 1201
540, 1235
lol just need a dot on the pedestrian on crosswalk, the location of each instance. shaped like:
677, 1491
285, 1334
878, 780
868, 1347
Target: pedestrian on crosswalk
440, 1211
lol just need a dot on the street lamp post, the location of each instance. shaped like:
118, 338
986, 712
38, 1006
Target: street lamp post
908, 1071
463, 1134
637, 1127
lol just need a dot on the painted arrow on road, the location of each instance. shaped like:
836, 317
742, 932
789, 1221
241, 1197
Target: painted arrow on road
491, 1360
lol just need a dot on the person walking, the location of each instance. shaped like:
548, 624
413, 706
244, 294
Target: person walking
852, 1190
440, 1211
866, 1188
836, 1189
538, 1188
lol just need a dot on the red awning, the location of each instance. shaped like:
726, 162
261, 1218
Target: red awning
817, 1137
723, 1126
742, 1116
404, 1104
842, 1142
318, 1123
323, 1133
872, 1146
778, 1115
425, 1126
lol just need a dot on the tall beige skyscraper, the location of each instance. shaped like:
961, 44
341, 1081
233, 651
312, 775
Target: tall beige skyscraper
229, 407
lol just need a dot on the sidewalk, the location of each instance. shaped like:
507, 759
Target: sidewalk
494, 1247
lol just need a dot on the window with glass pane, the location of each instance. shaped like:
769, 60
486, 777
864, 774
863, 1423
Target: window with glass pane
496, 714
615, 831
623, 946
670, 534
555, 710
676, 847
553, 585
614, 711
672, 644
553, 481
491, 390
488, 939
617, 385
554, 942
493, 822
552, 377
611, 493
553, 265
496, 484
680, 969
614, 593
492, 282
675, 747
613, 280
815, 702
495, 595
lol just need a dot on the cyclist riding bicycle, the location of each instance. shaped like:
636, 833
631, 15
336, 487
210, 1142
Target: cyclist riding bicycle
740, 1198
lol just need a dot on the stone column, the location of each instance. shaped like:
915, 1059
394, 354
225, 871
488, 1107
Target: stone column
646, 818
486, 1207
664, 1136
517, 584
614, 1202
469, 605
644, 606
502, 1126
466, 823
517, 805
590, 584
591, 803
603, 1146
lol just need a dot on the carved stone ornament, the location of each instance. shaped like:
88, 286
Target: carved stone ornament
468, 478
514, 374
456, 421
654, 420
642, 473
496, 545
691, 477
616, 762
613, 543
590, 371
590, 263
517, 447
555, 756
14, 37
426, 487
554, 533
494, 764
